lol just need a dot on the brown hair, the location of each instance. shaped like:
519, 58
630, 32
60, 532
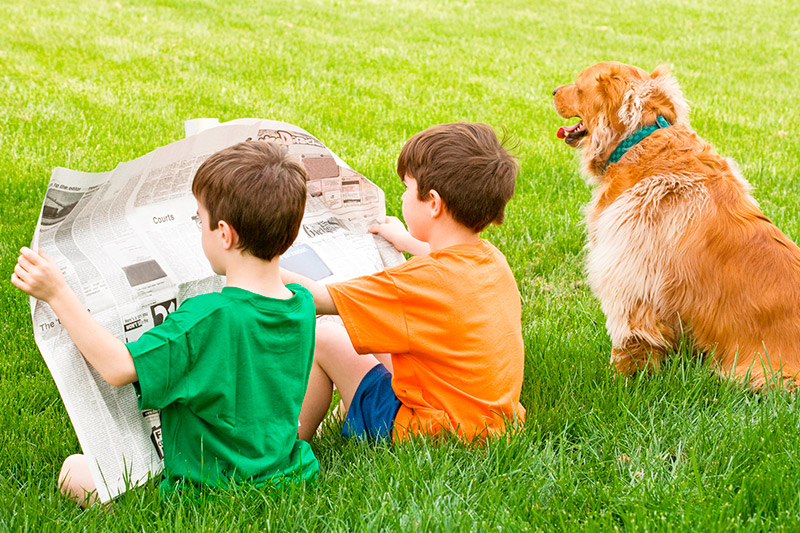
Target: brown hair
259, 190
469, 168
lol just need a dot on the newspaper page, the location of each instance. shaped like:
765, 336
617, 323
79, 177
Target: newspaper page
128, 243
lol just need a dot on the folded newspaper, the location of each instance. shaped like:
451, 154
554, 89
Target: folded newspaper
128, 242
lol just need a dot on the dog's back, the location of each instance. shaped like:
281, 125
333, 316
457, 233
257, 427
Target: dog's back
742, 283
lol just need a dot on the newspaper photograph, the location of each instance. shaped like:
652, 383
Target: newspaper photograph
128, 243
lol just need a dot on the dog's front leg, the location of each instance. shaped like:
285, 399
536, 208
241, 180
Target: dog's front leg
645, 345
636, 354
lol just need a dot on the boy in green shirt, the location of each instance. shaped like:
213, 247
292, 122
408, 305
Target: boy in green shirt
228, 370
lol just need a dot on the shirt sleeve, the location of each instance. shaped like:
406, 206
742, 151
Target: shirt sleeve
162, 358
373, 313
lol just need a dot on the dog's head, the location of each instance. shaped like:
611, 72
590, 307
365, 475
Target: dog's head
613, 100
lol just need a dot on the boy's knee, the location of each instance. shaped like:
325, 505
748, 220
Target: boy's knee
328, 329
330, 337
335, 355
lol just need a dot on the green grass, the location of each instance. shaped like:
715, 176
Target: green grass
87, 85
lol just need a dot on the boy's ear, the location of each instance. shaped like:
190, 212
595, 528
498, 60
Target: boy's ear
227, 235
437, 206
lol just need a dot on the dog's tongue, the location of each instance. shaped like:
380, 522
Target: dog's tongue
566, 130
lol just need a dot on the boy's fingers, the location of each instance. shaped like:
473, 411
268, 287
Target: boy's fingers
24, 263
376, 228
29, 254
20, 272
17, 282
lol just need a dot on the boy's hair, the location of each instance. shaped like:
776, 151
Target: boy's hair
469, 168
259, 190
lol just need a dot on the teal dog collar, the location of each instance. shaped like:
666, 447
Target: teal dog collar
634, 139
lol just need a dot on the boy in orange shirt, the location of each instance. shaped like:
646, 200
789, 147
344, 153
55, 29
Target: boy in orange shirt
450, 316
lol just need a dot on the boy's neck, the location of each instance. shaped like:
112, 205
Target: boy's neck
445, 232
256, 275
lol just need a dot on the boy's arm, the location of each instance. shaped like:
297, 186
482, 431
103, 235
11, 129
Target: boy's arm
396, 233
39, 276
322, 298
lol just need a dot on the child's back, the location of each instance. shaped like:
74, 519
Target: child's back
452, 321
229, 372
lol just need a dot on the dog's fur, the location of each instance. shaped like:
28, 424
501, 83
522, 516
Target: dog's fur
677, 246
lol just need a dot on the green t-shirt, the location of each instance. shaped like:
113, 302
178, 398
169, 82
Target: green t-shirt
229, 371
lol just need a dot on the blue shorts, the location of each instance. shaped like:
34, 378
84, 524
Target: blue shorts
371, 413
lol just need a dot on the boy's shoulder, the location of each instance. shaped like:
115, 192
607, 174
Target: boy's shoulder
469, 255
195, 311
238, 300
480, 248
453, 270
236, 296
206, 301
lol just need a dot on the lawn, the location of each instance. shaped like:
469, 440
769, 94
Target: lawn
86, 85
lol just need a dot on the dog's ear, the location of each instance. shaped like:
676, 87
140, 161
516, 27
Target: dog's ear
609, 84
606, 128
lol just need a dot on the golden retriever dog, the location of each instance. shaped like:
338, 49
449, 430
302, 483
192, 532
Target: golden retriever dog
678, 249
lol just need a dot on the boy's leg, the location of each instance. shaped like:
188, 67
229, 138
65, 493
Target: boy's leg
335, 361
75, 480
340, 412
386, 360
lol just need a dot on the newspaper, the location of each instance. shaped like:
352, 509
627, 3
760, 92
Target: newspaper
128, 243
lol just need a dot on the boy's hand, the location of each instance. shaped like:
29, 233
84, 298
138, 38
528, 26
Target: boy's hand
394, 231
38, 275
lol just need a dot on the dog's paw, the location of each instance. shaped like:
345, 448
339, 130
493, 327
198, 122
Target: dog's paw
627, 361
623, 363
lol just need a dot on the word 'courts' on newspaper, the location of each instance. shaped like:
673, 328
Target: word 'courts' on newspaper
128, 243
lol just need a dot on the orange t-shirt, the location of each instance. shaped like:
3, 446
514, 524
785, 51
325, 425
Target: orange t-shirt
452, 322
